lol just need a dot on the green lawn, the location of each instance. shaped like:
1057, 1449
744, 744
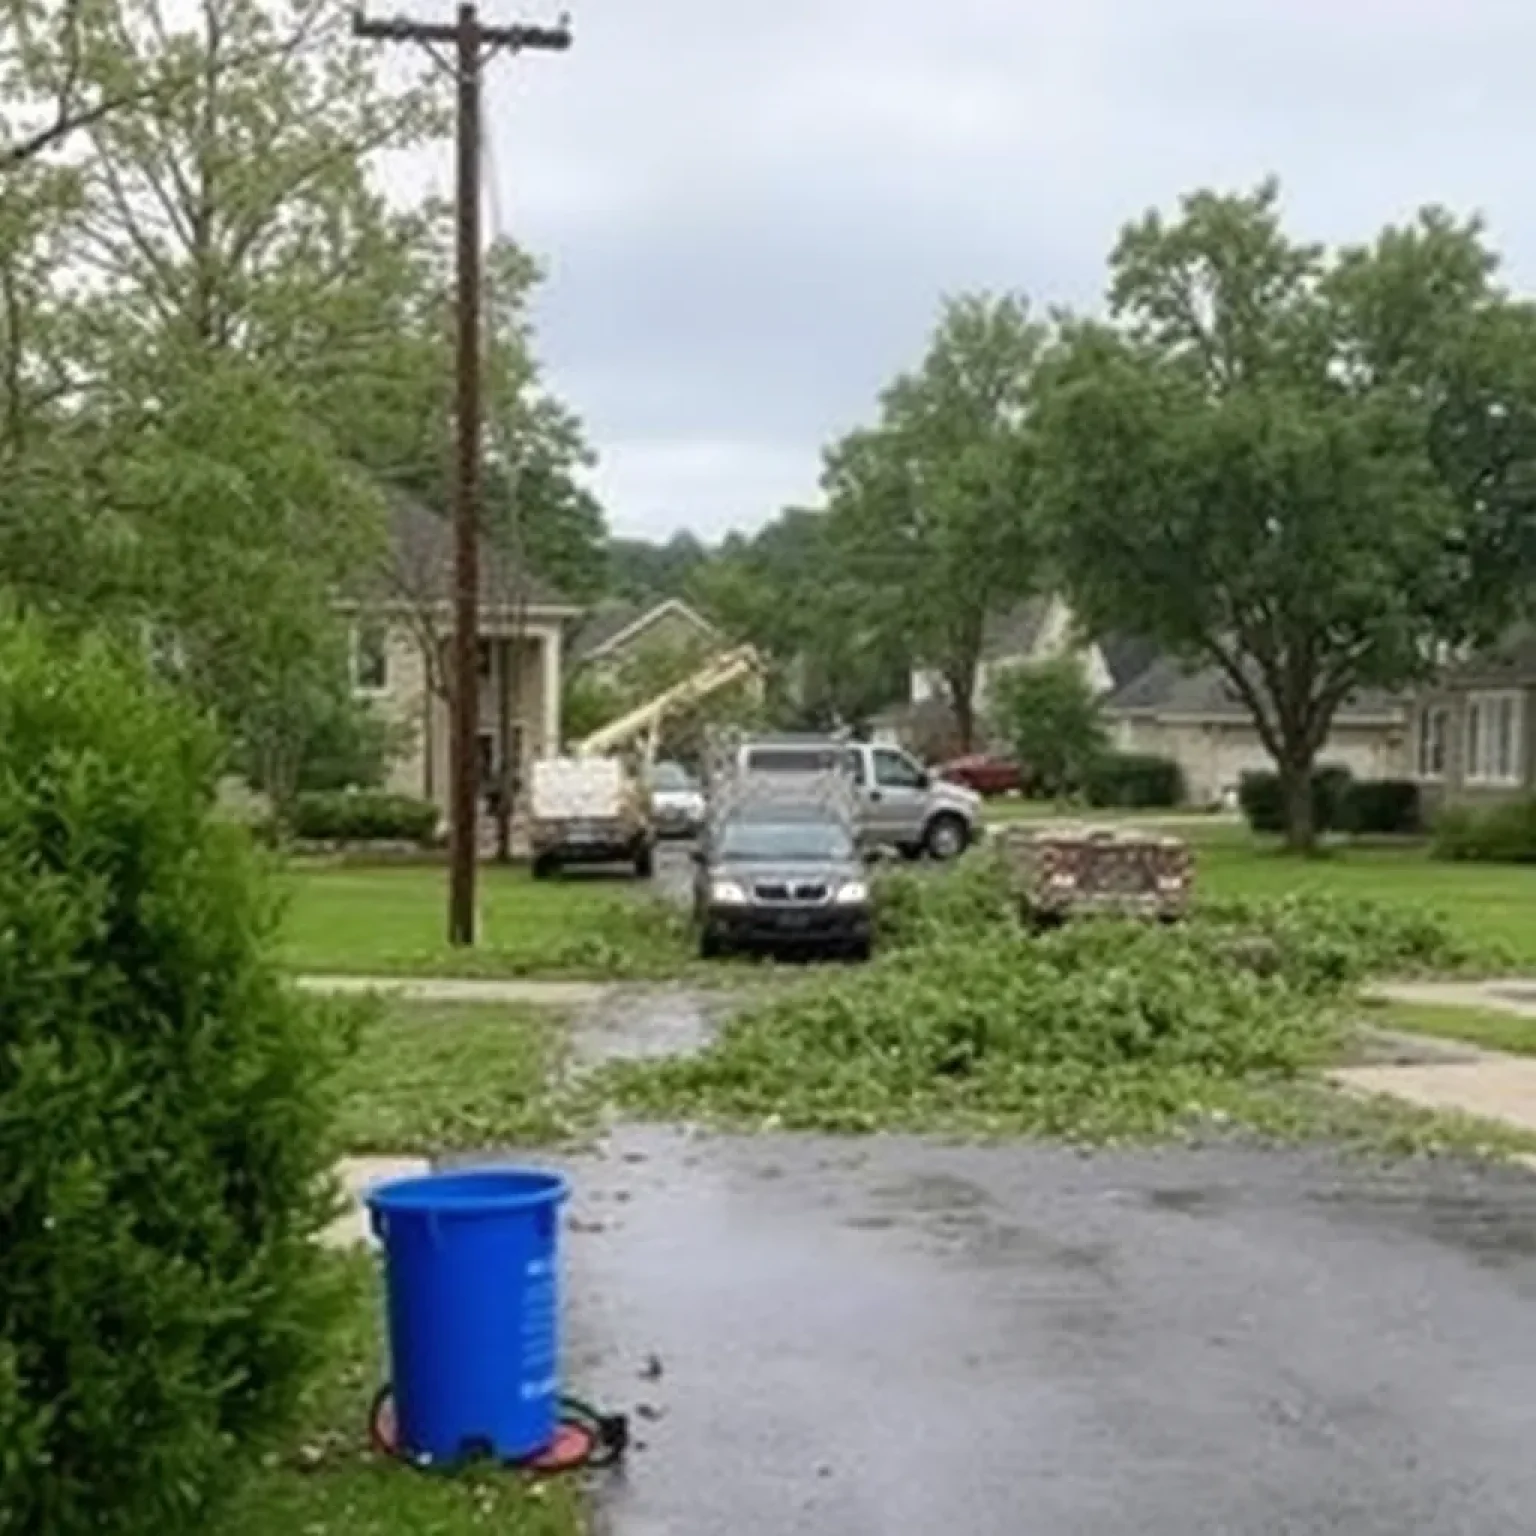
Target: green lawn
392, 920
1003, 810
327, 1482
1490, 1027
425, 1079
1490, 904
431, 1078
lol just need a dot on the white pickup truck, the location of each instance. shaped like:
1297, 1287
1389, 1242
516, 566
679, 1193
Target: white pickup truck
587, 810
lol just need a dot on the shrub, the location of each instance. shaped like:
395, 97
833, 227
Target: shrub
1381, 807
913, 908
1501, 834
1135, 780
1321, 942
1259, 797
1098, 1030
366, 817
164, 1112
1048, 715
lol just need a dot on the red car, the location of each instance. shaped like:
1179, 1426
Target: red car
985, 773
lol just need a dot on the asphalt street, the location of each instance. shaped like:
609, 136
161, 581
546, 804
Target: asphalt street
901, 1338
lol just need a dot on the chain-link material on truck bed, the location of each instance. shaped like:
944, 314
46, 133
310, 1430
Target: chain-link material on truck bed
731, 791
1065, 870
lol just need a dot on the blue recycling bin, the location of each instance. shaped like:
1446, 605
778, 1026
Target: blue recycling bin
472, 1278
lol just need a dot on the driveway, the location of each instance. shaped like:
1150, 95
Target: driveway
900, 1338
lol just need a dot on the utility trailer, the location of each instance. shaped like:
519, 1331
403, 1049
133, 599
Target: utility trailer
1067, 871
588, 810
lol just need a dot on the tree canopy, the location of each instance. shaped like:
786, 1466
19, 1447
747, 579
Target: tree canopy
933, 508
219, 344
1309, 469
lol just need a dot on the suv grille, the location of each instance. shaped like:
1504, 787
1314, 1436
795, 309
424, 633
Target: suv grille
778, 890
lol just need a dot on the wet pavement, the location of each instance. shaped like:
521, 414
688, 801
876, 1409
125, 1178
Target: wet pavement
640, 1023
901, 1338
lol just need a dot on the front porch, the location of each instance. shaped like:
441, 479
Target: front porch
518, 705
518, 711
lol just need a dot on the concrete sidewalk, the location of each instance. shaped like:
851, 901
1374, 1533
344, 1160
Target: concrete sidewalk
1491, 1087
456, 989
1468, 1079
1513, 994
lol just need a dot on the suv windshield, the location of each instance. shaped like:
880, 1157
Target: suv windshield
670, 778
810, 842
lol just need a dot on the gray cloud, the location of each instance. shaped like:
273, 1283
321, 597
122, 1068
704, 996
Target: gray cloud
749, 213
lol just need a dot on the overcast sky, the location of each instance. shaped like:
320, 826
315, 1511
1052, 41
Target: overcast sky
749, 211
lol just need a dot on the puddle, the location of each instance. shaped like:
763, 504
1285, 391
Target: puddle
645, 1025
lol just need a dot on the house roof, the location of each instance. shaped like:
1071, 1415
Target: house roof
1511, 662
1167, 687
419, 563
1126, 657
1015, 632
611, 625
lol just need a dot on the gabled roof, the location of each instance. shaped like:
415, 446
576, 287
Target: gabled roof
1168, 687
418, 564
613, 625
1126, 657
1015, 632
1510, 663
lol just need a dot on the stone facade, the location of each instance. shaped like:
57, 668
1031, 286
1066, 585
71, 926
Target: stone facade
1473, 737
405, 697
1215, 754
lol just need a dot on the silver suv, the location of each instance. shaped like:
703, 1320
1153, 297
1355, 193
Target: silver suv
901, 805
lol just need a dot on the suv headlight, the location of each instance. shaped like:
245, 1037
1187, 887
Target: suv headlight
727, 893
852, 894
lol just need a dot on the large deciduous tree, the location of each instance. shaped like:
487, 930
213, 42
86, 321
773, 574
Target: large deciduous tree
1310, 470
934, 506
215, 332
789, 591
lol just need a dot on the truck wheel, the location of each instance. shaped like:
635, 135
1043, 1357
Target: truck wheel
859, 951
645, 863
544, 866
710, 945
947, 837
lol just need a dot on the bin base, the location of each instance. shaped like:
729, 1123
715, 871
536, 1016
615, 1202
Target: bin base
583, 1438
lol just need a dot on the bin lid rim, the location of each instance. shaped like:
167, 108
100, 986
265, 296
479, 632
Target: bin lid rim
453, 1191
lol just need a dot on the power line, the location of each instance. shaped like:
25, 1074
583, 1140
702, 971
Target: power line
473, 44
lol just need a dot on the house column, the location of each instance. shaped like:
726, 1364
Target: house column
549, 647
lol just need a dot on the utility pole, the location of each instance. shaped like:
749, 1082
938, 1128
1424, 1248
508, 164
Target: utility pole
473, 44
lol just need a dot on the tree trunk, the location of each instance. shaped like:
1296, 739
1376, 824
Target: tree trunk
1296, 803
963, 707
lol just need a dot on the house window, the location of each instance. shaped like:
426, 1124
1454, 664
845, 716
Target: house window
1433, 739
1495, 728
483, 659
370, 658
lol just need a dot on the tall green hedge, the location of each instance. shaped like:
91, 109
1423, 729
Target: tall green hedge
1340, 803
1264, 807
362, 816
164, 1113
1136, 780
